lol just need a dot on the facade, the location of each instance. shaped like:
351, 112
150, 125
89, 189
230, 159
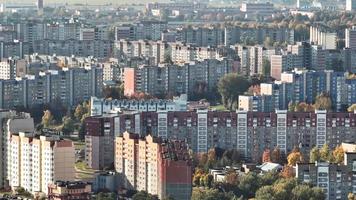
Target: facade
159, 167
100, 136
257, 103
69, 86
321, 36
176, 79
61, 190
282, 63
336, 180
105, 106
35, 162
249, 132
107, 181
7, 69
304, 86
11, 122
350, 5
350, 38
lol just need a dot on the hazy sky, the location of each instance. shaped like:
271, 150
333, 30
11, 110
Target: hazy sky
82, 1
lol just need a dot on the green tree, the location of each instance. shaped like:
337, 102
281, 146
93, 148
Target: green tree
265, 193
211, 194
79, 112
47, 118
314, 155
325, 153
68, 125
306, 192
230, 87
143, 195
266, 67
249, 184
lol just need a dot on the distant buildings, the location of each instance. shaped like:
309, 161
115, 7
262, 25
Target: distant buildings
257, 9
176, 79
159, 167
37, 161
68, 86
350, 5
336, 180
350, 38
321, 36
7, 69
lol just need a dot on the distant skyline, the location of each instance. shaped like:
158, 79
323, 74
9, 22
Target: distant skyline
93, 2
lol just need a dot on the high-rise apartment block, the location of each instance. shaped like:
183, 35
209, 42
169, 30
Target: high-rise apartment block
37, 161
11, 122
7, 69
100, 136
68, 86
176, 79
336, 180
350, 5
350, 37
159, 167
320, 35
248, 132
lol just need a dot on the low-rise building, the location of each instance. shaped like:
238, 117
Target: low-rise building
69, 190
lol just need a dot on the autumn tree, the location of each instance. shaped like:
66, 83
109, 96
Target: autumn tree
323, 102
276, 156
294, 157
230, 87
352, 108
338, 154
325, 154
231, 177
287, 172
47, 118
266, 156
314, 155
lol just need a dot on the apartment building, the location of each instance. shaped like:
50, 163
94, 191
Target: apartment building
69, 47
320, 35
257, 103
100, 136
176, 79
336, 180
14, 49
11, 122
249, 132
37, 161
69, 85
159, 167
7, 69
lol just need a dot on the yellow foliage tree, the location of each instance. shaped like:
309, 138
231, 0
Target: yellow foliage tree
294, 157
338, 154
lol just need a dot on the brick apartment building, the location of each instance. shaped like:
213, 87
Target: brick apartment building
249, 132
157, 166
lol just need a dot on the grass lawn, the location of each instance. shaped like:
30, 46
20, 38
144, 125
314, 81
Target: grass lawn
83, 172
218, 108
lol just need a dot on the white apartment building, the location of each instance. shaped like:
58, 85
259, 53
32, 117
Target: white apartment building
37, 161
7, 69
